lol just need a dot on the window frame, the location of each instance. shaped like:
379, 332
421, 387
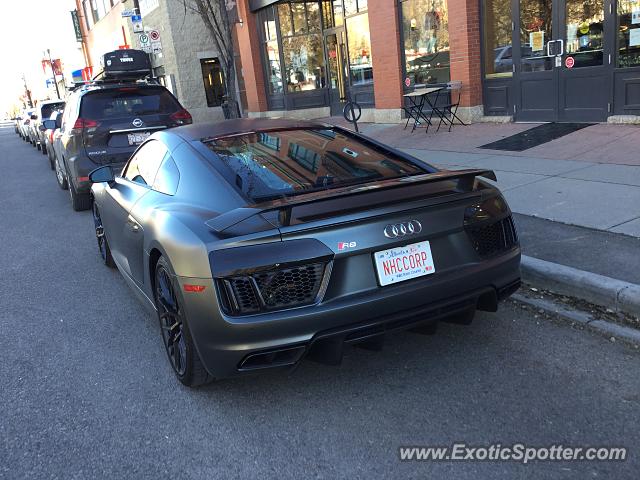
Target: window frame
402, 48
224, 89
123, 174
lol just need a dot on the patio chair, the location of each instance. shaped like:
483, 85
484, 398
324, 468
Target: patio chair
450, 109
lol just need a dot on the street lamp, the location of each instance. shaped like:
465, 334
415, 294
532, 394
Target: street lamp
53, 71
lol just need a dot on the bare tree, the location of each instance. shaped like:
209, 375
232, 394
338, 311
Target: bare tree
219, 18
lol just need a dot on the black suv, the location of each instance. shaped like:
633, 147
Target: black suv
103, 123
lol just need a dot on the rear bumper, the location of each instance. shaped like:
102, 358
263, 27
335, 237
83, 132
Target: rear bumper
229, 346
79, 167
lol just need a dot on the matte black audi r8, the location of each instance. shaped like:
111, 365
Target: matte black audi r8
261, 242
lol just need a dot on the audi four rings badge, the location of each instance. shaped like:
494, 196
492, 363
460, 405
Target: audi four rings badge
402, 229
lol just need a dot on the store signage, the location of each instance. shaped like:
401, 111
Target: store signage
407, 82
76, 25
569, 62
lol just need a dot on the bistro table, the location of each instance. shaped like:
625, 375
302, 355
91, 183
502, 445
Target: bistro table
418, 99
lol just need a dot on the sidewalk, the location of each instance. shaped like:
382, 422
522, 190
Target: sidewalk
576, 201
589, 178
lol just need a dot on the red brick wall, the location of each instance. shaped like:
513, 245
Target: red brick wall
386, 52
464, 38
249, 47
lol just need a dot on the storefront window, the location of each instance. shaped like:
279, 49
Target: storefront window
426, 41
497, 39
213, 81
585, 29
301, 46
628, 33
360, 68
274, 72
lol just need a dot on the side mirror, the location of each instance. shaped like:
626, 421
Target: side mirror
48, 125
41, 127
102, 174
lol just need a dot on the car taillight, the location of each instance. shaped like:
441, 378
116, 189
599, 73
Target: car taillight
51, 136
82, 123
182, 117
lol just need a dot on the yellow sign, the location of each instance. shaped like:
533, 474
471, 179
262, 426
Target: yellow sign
536, 40
584, 28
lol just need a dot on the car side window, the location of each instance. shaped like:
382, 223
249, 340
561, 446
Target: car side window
168, 177
144, 164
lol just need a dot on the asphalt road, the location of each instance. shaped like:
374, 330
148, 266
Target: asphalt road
87, 391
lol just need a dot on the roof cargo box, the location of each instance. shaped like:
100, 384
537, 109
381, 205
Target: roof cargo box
126, 64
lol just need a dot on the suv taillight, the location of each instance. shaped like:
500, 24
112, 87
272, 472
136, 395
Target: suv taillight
82, 123
182, 117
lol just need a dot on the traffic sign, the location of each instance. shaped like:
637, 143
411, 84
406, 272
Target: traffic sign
128, 13
154, 35
144, 39
136, 22
156, 47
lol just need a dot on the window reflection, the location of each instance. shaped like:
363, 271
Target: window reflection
628, 33
535, 32
359, 42
274, 72
426, 40
497, 39
585, 23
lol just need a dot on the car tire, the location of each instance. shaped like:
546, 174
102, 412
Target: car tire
60, 176
37, 145
52, 159
176, 336
79, 201
103, 244
43, 148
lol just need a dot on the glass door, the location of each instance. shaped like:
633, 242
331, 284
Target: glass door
562, 60
585, 70
336, 70
536, 85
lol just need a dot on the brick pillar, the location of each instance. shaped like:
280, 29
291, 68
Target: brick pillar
387, 60
464, 43
250, 48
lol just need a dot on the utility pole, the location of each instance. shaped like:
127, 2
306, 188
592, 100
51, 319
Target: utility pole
27, 91
53, 71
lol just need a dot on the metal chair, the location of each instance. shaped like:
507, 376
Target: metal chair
455, 92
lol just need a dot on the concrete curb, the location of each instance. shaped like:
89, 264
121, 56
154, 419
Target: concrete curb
591, 287
602, 327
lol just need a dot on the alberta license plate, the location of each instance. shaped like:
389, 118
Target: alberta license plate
138, 138
404, 263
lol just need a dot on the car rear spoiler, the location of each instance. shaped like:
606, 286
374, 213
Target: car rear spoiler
283, 206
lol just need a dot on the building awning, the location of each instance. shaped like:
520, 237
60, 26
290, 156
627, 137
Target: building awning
255, 5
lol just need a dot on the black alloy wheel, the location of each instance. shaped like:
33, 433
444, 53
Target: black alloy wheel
103, 244
175, 332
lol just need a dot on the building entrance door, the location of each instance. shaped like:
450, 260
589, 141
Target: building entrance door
562, 60
336, 69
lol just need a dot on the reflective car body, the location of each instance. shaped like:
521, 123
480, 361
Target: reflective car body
268, 280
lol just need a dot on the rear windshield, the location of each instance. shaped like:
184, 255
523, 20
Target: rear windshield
127, 102
49, 108
267, 166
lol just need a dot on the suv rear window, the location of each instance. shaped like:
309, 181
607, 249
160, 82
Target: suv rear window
290, 162
127, 102
49, 108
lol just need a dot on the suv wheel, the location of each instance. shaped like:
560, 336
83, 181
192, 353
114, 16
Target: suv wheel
43, 148
60, 176
79, 201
